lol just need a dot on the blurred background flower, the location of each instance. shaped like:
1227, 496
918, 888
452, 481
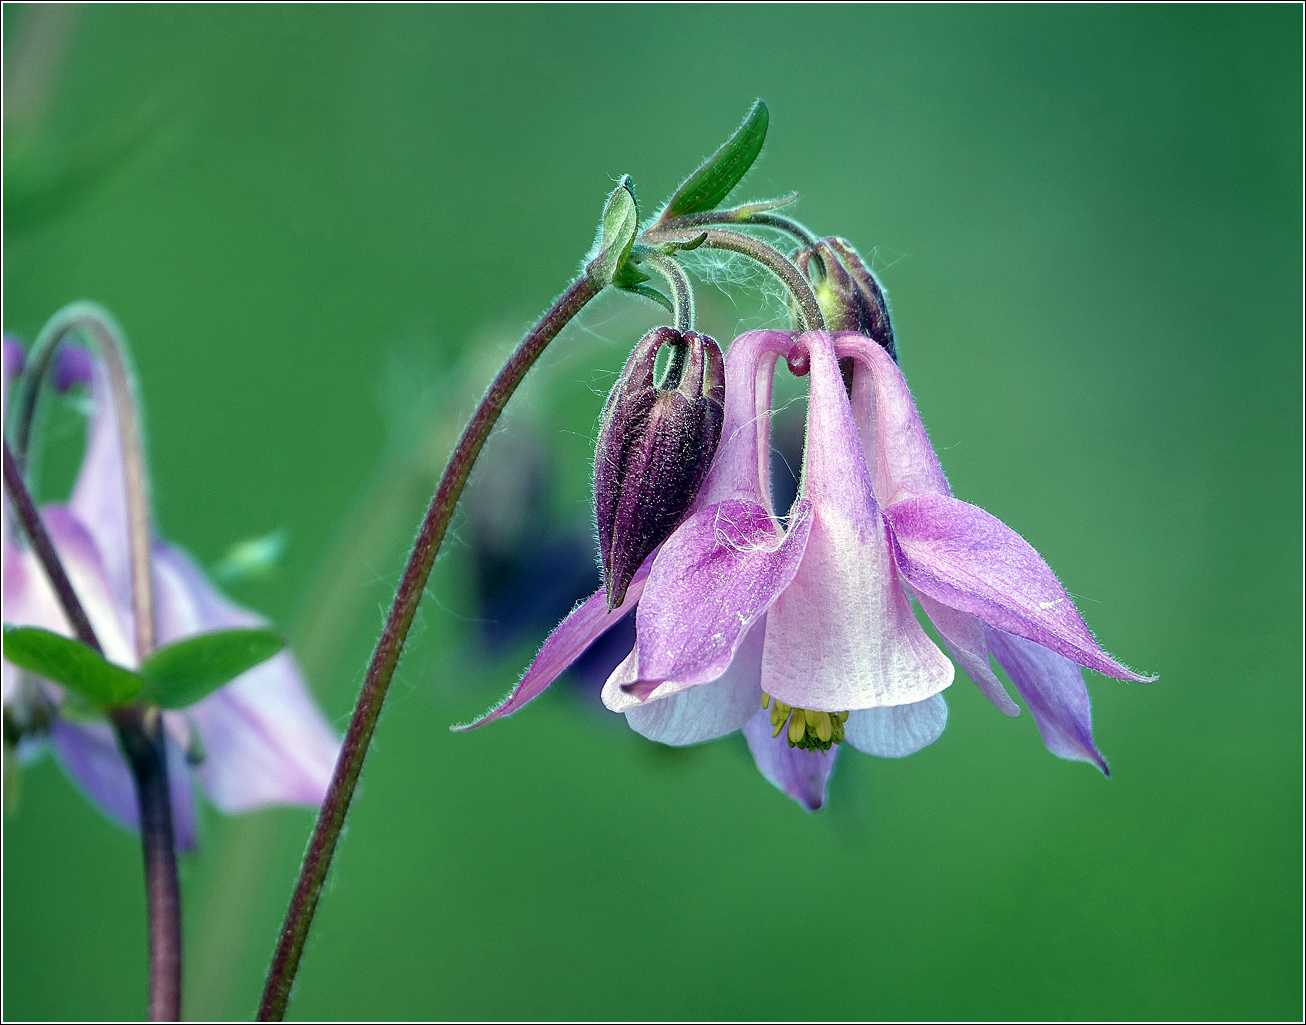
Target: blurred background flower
259, 740
1088, 223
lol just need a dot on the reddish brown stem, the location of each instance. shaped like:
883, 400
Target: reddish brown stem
326, 833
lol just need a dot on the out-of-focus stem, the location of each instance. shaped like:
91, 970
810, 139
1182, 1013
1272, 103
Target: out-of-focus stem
140, 730
140, 733
96, 322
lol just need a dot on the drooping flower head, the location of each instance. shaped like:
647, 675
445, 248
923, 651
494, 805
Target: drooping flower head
260, 740
801, 632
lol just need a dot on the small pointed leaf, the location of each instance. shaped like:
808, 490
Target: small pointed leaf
71, 664
724, 169
743, 213
185, 671
629, 275
670, 248
648, 292
617, 235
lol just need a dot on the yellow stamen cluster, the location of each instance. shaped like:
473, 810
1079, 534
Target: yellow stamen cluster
807, 729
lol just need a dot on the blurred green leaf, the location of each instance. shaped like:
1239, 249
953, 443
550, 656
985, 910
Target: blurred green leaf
71, 664
252, 559
42, 182
620, 226
181, 673
724, 169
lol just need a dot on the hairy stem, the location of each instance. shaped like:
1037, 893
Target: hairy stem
140, 736
331, 818
682, 294
743, 216
807, 311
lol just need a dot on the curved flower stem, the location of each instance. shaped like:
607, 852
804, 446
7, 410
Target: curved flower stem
682, 294
326, 833
140, 730
140, 734
760, 218
808, 311
96, 322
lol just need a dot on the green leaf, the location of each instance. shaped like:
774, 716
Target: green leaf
671, 248
629, 275
620, 226
185, 671
724, 169
742, 213
652, 293
70, 664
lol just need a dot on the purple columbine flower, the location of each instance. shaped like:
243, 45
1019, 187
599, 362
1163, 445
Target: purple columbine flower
260, 740
802, 634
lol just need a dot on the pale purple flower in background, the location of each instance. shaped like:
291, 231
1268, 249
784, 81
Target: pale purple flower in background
802, 634
260, 740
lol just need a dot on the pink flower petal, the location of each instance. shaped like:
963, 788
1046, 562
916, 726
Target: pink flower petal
713, 710
583, 626
713, 580
964, 637
897, 448
803, 775
969, 560
99, 498
898, 730
742, 465
617, 694
842, 635
1053, 687
264, 740
36, 605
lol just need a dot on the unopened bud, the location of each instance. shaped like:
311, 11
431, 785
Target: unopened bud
850, 296
655, 446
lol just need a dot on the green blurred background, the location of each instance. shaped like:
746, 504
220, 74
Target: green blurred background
321, 225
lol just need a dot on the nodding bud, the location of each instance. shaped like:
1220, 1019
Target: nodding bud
850, 296
655, 446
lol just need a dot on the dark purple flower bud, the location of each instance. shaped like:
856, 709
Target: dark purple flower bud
850, 296
654, 449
